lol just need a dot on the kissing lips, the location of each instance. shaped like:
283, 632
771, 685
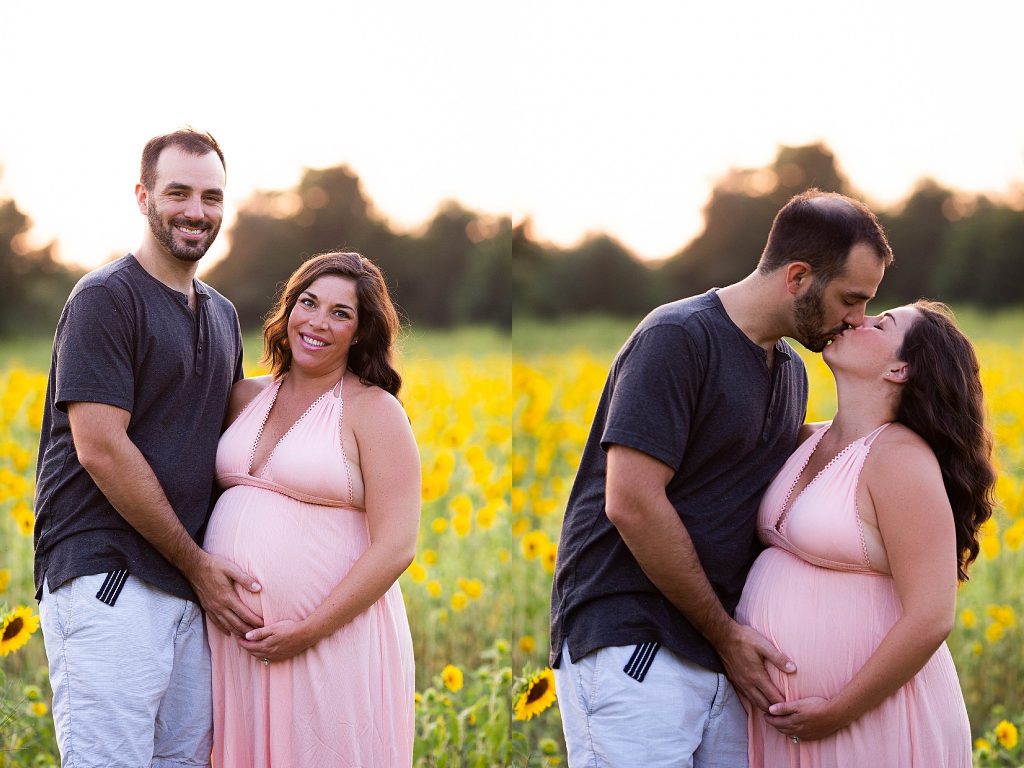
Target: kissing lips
837, 334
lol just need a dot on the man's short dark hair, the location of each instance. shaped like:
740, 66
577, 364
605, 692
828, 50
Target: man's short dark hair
820, 228
188, 140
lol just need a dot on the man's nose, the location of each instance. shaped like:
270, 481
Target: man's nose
194, 207
856, 317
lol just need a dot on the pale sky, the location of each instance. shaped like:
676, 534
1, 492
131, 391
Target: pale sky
585, 116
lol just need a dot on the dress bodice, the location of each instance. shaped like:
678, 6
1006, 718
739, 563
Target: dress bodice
308, 463
821, 524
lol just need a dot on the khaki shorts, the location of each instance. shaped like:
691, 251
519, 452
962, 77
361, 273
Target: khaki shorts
681, 715
131, 681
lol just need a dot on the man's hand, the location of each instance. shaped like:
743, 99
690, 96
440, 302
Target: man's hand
745, 652
637, 505
122, 473
214, 579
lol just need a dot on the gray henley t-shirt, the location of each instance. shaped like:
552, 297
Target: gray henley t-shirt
690, 389
127, 340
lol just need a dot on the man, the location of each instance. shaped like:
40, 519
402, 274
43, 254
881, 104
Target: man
143, 361
702, 406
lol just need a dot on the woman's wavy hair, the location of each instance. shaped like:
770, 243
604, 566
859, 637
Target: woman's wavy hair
372, 358
942, 401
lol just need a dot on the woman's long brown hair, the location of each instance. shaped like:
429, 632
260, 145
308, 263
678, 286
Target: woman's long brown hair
943, 402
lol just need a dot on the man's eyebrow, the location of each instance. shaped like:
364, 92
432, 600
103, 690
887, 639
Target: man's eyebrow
860, 295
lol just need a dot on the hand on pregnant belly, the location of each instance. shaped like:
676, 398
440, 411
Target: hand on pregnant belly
278, 641
807, 719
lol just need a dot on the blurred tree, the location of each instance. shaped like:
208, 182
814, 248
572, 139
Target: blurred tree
917, 232
600, 275
799, 168
535, 289
983, 259
437, 262
33, 285
483, 295
277, 231
739, 215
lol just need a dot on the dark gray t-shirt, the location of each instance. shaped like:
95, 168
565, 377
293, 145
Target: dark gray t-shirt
691, 390
126, 339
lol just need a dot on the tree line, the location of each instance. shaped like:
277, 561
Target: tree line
959, 248
465, 266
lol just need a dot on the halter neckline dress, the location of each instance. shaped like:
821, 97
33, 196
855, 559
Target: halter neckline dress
815, 594
295, 527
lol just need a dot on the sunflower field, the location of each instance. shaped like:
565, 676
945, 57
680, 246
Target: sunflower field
500, 432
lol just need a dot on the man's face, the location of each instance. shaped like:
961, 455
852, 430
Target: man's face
824, 310
186, 205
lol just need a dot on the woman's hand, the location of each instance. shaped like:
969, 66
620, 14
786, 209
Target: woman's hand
807, 719
278, 641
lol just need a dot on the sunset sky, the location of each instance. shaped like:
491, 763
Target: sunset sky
585, 116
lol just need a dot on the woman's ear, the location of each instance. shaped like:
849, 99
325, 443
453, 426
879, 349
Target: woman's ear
898, 374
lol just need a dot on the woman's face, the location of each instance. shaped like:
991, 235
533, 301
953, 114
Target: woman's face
323, 324
873, 347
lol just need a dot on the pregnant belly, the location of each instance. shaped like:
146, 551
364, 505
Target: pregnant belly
298, 552
828, 622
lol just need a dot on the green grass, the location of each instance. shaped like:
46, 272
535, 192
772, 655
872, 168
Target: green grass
598, 334
25, 352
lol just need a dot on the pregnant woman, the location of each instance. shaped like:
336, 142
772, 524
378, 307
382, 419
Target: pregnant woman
321, 506
871, 523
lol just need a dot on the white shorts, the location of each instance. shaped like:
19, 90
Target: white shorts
681, 714
131, 681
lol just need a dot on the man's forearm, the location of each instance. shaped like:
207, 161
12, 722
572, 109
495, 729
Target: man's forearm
664, 550
124, 476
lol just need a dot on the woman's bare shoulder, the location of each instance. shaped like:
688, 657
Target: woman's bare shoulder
368, 399
898, 437
901, 457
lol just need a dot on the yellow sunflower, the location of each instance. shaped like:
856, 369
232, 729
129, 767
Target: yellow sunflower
18, 625
452, 677
537, 695
1006, 734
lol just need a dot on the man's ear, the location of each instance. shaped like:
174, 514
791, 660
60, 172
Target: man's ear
897, 374
798, 276
142, 197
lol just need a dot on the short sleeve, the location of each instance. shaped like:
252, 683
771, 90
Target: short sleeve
93, 346
656, 381
239, 369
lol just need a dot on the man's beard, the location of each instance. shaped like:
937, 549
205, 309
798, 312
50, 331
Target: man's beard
809, 312
164, 234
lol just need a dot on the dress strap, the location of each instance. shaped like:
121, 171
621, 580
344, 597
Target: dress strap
871, 437
341, 440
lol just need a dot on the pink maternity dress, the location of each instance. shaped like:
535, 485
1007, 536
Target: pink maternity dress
296, 528
816, 596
